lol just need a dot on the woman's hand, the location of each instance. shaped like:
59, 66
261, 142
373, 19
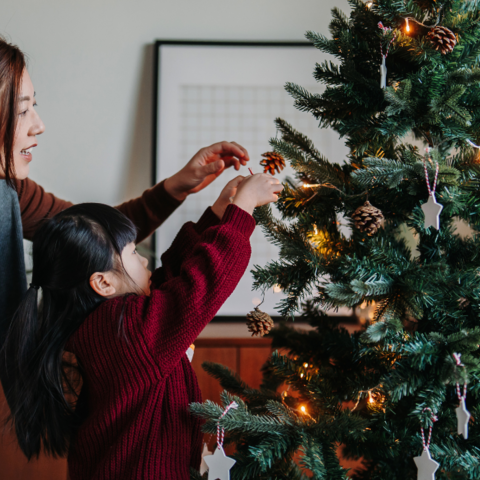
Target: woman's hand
257, 190
224, 200
205, 166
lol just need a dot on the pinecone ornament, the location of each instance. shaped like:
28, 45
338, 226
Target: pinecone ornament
443, 39
367, 218
259, 323
273, 161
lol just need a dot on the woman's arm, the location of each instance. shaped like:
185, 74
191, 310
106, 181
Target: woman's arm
147, 212
155, 205
175, 313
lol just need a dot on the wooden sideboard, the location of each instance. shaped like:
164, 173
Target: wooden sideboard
14, 465
244, 356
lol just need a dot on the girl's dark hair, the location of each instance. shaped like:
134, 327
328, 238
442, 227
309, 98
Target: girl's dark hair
67, 250
12, 65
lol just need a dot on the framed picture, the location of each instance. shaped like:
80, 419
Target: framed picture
206, 92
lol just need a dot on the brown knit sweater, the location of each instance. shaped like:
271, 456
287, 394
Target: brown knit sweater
147, 212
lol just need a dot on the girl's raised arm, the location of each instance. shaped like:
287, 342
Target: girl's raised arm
180, 308
183, 244
182, 247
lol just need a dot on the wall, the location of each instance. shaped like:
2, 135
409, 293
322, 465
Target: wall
91, 65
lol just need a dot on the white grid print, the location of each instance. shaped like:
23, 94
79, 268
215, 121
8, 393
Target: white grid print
244, 114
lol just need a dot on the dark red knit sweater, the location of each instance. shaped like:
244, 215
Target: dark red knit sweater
137, 390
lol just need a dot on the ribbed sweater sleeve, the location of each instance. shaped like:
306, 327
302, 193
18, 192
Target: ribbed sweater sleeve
182, 246
178, 309
147, 212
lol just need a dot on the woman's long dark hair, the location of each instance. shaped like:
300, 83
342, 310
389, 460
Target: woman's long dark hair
67, 250
12, 65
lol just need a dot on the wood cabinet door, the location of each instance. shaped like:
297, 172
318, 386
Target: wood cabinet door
244, 356
14, 464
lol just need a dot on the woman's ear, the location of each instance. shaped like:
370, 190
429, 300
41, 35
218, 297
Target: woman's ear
103, 283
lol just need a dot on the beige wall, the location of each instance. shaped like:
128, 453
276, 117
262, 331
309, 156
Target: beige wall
91, 65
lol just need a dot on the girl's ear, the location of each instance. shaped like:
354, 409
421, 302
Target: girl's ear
103, 283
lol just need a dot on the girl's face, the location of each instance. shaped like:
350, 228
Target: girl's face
29, 124
136, 267
114, 283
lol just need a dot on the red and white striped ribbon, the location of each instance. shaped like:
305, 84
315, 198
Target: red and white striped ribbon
221, 431
385, 31
426, 445
457, 357
431, 191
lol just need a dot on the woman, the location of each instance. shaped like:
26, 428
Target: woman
24, 204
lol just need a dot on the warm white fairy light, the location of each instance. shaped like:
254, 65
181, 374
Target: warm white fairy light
407, 27
369, 4
368, 392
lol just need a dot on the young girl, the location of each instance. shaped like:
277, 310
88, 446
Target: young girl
129, 331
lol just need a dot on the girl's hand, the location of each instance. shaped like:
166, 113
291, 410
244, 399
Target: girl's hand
257, 190
224, 200
204, 167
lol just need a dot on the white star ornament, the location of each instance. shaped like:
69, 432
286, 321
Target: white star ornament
206, 452
219, 465
463, 417
383, 74
426, 466
432, 210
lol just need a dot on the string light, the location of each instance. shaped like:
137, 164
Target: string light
304, 412
407, 29
305, 365
420, 23
371, 400
329, 185
302, 409
369, 4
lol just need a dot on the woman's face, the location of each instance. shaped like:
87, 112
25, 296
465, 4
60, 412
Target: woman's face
29, 124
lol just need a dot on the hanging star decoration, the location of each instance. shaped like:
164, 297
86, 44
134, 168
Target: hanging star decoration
383, 66
219, 465
206, 452
431, 208
425, 464
463, 415
383, 73
190, 351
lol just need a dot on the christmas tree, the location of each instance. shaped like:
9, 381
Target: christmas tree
406, 74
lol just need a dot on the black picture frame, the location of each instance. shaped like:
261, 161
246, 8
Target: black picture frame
155, 121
